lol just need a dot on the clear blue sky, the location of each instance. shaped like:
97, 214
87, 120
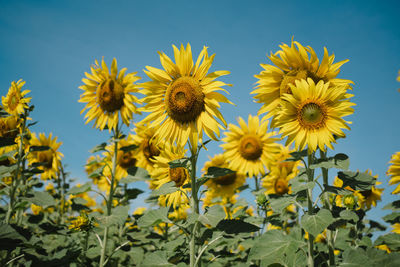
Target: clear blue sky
50, 44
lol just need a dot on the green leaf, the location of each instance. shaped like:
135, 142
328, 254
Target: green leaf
339, 161
5, 141
349, 215
101, 147
392, 218
135, 174
166, 188
215, 172
180, 163
7, 170
272, 247
382, 259
118, 216
153, 217
43, 199
315, 224
156, 259
395, 205
8, 232
38, 148
355, 258
300, 183
132, 193
357, 180
80, 189
212, 216
128, 148
236, 226
298, 155
392, 240
278, 202
336, 190
7, 155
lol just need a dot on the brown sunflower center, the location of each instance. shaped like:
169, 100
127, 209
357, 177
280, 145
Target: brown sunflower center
110, 95
126, 160
290, 78
226, 179
312, 115
13, 101
281, 186
178, 175
150, 150
184, 99
46, 157
250, 147
366, 193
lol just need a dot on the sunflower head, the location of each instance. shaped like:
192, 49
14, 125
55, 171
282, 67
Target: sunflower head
50, 160
312, 114
291, 64
394, 172
250, 147
183, 98
148, 147
225, 185
108, 95
15, 102
9, 127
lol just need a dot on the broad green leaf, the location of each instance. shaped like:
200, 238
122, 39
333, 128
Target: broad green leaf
215, 172
128, 148
272, 247
38, 148
6, 171
212, 216
153, 217
336, 190
298, 155
101, 147
132, 193
357, 180
355, 258
339, 161
349, 215
118, 216
5, 141
315, 224
156, 259
278, 202
135, 174
236, 226
43, 199
180, 163
80, 189
7, 155
392, 218
395, 205
392, 240
382, 259
166, 188
8, 232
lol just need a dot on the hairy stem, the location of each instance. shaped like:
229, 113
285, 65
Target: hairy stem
195, 207
310, 174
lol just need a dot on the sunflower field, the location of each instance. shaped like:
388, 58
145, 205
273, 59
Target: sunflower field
309, 205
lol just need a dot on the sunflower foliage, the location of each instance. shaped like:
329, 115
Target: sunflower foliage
277, 195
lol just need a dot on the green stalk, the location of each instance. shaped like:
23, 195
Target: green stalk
195, 207
110, 197
15, 181
327, 204
310, 174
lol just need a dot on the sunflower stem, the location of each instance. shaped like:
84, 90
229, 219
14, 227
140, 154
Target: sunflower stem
327, 204
195, 207
310, 174
110, 197
15, 181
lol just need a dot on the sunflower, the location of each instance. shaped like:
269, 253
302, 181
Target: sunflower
94, 169
148, 148
394, 172
183, 98
351, 200
125, 158
50, 160
312, 114
222, 186
9, 127
250, 148
15, 101
371, 196
277, 181
396, 228
108, 95
293, 64
162, 174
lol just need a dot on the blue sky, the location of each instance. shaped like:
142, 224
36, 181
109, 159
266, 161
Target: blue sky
50, 44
